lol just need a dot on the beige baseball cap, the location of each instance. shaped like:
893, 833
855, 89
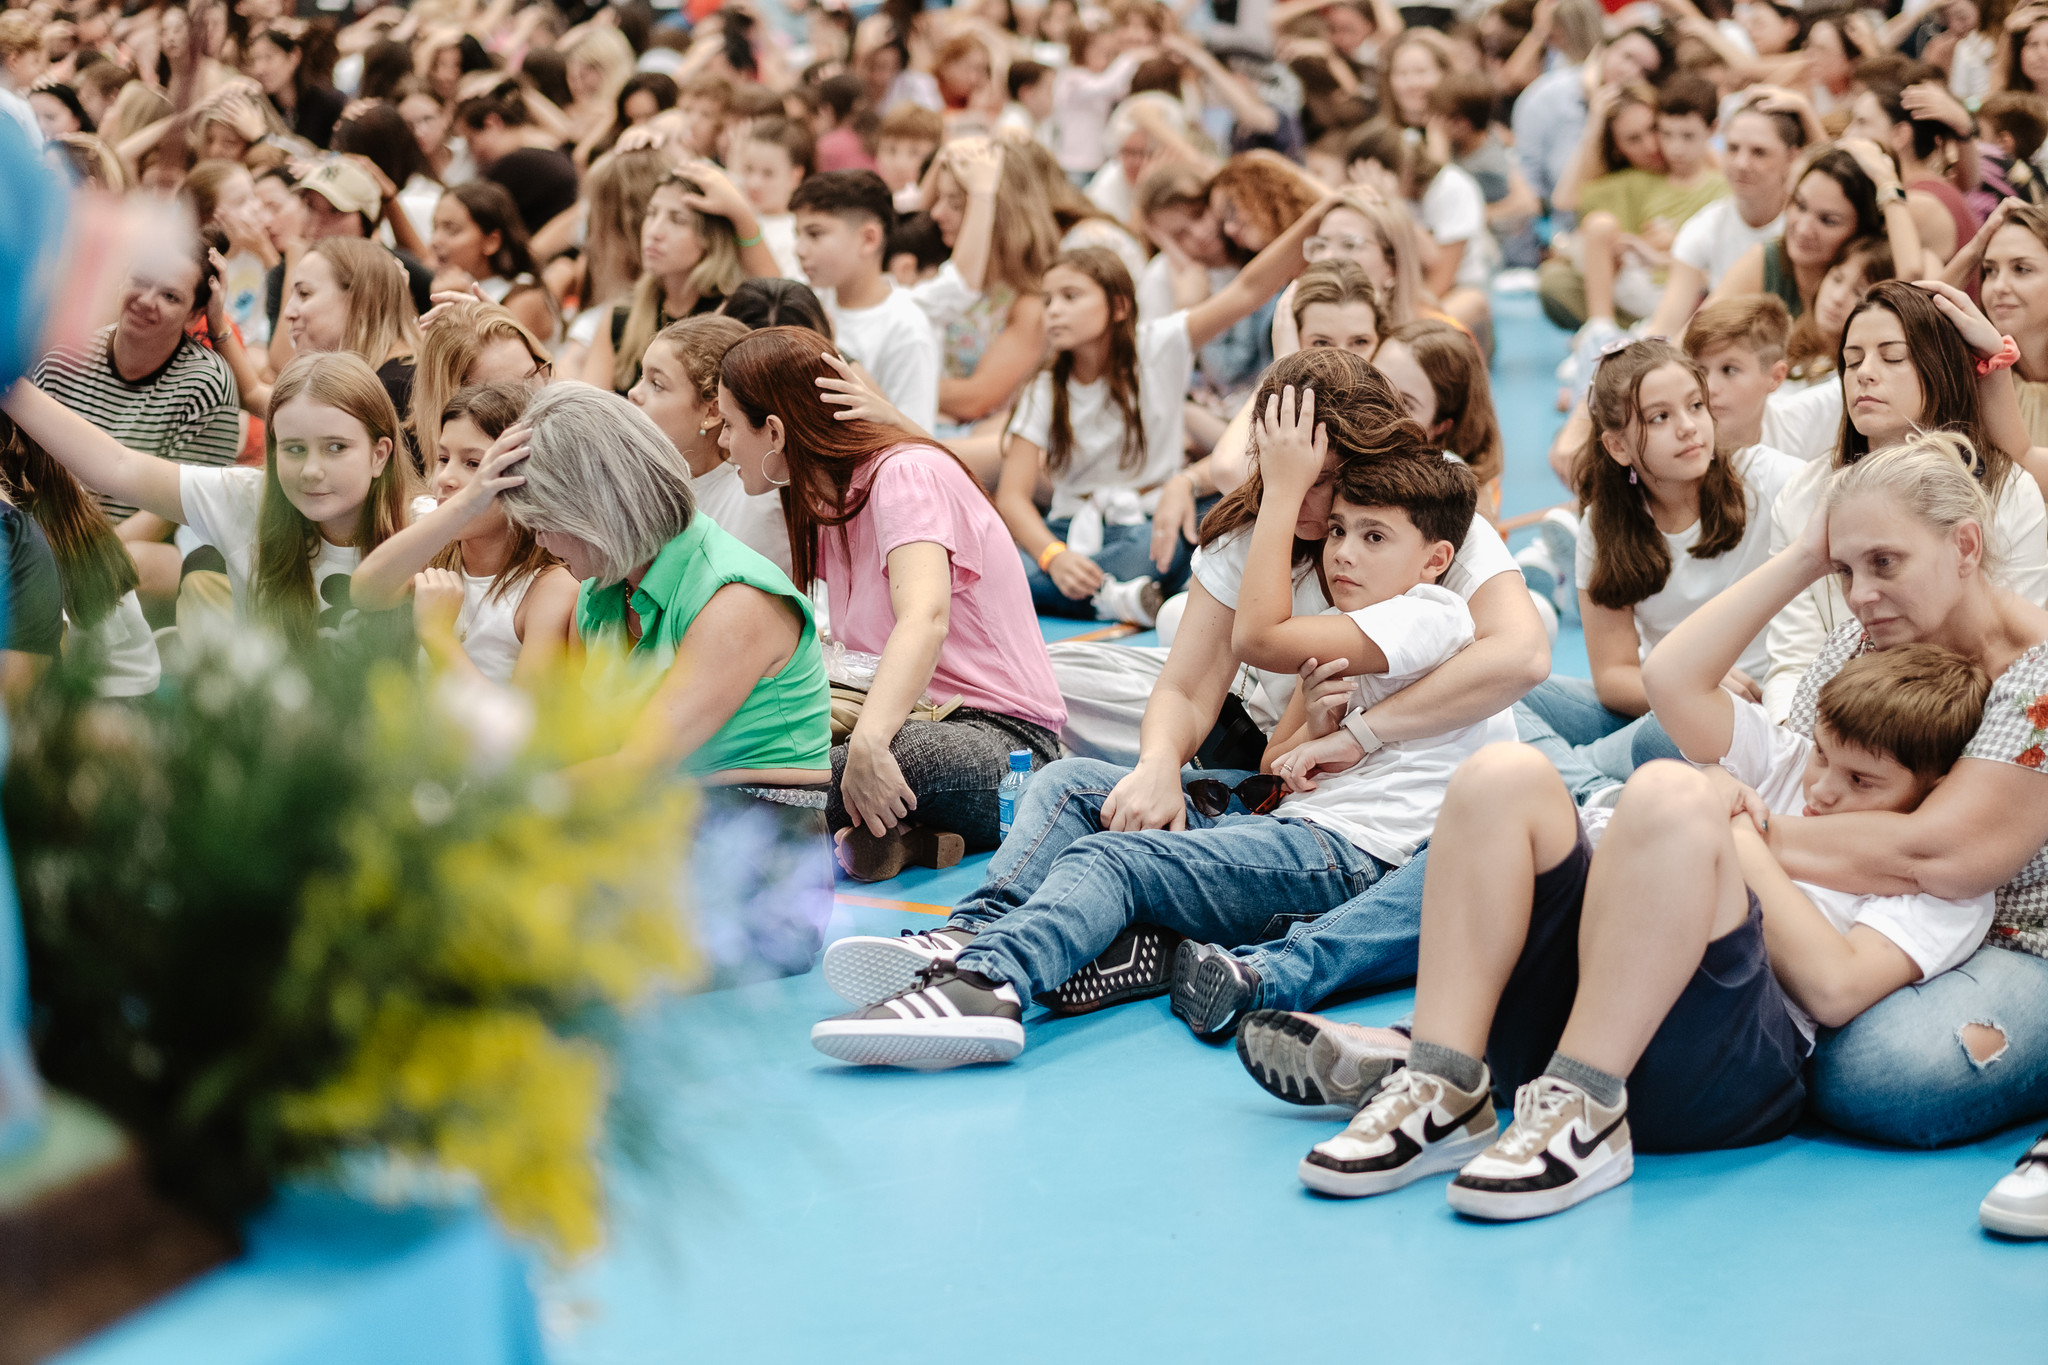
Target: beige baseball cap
346, 187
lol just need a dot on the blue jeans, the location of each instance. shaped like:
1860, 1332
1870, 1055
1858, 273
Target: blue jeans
1060, 888
1899, 1072
1126, 553
1590, 746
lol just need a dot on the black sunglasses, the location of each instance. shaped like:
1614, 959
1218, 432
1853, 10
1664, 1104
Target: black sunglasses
1259, 793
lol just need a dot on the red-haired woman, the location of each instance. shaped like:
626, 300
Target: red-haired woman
923, 574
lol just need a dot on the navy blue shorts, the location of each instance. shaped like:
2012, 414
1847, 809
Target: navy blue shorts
1724, 1069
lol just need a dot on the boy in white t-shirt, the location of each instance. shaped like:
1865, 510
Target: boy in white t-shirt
1394, 532
771, 157
1665, 989
842, 231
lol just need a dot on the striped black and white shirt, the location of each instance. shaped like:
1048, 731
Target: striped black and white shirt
184, 411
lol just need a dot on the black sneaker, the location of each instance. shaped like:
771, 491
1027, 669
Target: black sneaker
1137, 965
943, 1020
1212, 988
1307, 1059
868, 968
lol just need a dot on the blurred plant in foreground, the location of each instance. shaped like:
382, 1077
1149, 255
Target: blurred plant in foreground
301, 908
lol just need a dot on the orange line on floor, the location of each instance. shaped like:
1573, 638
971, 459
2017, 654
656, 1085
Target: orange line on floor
883, 903
1115, 632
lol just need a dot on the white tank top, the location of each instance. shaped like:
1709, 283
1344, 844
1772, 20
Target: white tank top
485, 627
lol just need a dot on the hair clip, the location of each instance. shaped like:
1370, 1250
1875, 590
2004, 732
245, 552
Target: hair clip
1620, 344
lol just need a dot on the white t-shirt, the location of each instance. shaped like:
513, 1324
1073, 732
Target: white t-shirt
1155, 289
1094, 469
1713, 239
131, 666
1805, 423
222, 508
1454, 210
894, 340
1220, 569
1693, 581
1937, 934
778, 234
755, 521
1387, 803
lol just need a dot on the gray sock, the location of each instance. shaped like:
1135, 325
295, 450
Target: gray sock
1462, 1070
1606, 1090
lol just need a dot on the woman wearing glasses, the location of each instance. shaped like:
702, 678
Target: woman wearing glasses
463, 343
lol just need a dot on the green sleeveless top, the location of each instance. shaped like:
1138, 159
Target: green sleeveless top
785, 722
1778, 277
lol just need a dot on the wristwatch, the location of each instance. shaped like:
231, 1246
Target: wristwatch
1355, 726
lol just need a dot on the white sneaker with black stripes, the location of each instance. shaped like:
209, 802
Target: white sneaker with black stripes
865, 968
1563, 1148
946, 1018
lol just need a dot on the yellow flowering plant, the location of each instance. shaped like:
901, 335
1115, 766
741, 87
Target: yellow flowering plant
374, 915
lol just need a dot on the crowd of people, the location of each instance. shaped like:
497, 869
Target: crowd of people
771, 372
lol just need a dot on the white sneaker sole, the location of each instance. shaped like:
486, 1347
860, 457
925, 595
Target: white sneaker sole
2010, 1221
867, 969
1498, 1206
923, 1045
1444, 1156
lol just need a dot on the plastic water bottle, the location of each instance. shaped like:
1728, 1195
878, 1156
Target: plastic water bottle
1012, 788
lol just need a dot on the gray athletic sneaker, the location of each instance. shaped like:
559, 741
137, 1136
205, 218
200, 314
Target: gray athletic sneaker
1307, 1059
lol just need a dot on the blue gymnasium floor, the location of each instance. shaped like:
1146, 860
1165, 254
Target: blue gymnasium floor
1124, 1192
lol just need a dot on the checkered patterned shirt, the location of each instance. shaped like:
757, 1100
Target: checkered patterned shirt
2014, 730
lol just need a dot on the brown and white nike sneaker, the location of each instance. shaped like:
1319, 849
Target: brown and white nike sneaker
1416, 1125
1563, 1148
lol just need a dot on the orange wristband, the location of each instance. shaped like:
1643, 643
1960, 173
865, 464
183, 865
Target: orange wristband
1049, 554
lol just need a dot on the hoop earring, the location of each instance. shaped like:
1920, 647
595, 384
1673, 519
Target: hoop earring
773, 481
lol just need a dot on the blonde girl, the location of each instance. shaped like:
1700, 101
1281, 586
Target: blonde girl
333, 487
471, 342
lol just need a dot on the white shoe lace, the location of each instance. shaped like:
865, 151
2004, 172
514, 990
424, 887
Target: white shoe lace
1535, 1105
1403, 1084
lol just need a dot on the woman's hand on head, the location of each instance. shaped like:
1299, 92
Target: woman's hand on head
855, 395
1292, 445
1146, 798
448, 298
1173, 520
721, 198
1873, 162
872, 789
493, 476
436, 602
1075, 575
1812, 545
976, 162
1976, 330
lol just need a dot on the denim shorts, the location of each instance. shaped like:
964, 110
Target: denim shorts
1725, 1067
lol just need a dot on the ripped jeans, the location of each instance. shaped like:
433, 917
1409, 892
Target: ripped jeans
1899, 1072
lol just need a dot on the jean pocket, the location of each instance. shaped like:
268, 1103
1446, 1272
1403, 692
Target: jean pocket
1279, 925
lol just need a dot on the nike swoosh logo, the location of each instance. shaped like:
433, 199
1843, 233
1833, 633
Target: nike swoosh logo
1433, 1133
1582, 1150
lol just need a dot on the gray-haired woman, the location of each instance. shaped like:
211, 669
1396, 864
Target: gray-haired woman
712, 643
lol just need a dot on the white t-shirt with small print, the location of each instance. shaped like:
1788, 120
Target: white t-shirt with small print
222, 507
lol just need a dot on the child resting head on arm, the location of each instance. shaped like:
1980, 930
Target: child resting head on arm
1395, 526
